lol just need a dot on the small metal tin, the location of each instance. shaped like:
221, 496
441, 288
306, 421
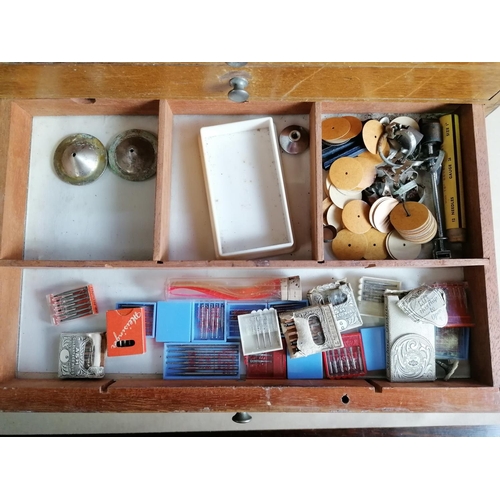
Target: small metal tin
133, 155
80, 159
329, 233
294, 139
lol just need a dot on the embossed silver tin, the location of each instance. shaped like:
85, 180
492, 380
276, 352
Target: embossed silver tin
133, 155
410, 345
341, 296
81, 355
80, 159
310, 330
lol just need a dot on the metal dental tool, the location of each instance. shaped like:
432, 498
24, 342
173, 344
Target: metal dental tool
431, 150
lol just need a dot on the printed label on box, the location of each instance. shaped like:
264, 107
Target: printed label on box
126, 331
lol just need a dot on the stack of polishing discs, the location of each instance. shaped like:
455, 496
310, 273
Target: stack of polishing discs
380, 212
414, 222
340, 129
359, 240
340, 197
349, 246
401, 249
376, 245
353, 174
355, 216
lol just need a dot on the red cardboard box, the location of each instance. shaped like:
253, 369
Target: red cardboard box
126, 331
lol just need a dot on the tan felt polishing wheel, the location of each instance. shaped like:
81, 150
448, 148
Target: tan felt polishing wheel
356, 127
375, 245
355, 216
426, 235
374, 158
349, 246
346, 173
372, 132
369, 173
409, 216
333, 129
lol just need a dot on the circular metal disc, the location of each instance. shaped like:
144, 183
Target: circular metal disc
80, 159
294, 139
133, 155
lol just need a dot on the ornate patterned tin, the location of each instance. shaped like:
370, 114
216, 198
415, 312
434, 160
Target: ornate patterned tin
410, 345
81, 355
310, 330
340, 295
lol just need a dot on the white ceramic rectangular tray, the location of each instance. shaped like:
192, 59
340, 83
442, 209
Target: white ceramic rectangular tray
245, 189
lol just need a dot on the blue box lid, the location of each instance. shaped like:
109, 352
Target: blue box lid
374, 347
173, 321
310, 367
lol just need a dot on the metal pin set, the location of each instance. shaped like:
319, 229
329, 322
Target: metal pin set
72, 304
196, 361
209, 317
371, 295
233, 311
348, 361
260, 332
266, 365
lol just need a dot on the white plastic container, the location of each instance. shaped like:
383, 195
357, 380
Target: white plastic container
245, 190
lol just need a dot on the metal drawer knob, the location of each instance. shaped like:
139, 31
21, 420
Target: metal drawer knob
238, 94
242, 417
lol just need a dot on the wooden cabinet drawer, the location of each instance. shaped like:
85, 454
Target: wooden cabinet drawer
182, 245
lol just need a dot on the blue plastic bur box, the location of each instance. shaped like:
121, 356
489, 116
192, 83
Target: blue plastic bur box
202, 361
173, 321
150, 315
208, 322
309, 367
190, 321
183, 321
374, 347
233, 310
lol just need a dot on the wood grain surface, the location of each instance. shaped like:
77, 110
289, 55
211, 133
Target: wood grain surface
316, 188
155, 395
10, 299
163, 183
445, 82
246, 264
16, 165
